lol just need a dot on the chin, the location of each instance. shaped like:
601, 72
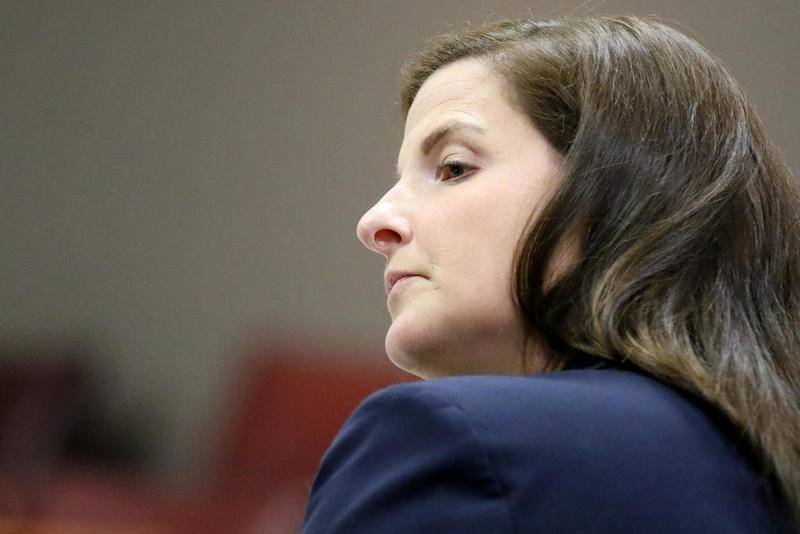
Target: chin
403, 360
411, 353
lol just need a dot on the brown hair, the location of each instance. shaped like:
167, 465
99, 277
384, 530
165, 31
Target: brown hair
688, 220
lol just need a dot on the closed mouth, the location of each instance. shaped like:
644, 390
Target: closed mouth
392, 278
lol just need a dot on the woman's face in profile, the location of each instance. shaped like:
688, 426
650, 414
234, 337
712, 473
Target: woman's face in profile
471, 170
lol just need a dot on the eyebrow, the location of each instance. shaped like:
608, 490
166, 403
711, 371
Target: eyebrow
445, 130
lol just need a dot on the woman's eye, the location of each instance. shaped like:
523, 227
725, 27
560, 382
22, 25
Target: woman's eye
452, 170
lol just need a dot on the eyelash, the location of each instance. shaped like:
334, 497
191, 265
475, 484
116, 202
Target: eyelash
448, 165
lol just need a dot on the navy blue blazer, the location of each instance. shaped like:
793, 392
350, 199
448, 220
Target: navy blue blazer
597, 447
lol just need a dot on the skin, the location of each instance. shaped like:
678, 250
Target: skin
457, 225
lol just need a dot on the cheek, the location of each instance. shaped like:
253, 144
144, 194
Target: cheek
471, 243
446, 225
478, 220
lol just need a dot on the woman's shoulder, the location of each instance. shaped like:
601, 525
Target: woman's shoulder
603, 445
605, 432
597, 394
611, 417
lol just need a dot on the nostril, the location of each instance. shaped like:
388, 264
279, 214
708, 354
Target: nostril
384, 237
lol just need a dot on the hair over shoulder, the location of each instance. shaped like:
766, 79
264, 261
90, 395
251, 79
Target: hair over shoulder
686, 219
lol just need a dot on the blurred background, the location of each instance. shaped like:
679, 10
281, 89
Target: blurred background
188, 316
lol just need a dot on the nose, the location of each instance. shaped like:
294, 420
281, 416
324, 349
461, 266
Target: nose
385, 227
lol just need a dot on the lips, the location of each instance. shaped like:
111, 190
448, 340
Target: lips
392, 277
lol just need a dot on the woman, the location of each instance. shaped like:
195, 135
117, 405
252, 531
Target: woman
590, 221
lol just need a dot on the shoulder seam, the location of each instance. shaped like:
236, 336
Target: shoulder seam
487, 456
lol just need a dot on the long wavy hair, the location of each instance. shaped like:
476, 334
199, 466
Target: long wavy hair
686, 219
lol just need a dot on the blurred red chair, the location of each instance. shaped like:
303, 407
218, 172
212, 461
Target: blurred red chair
286, 409
289, 405
41, 389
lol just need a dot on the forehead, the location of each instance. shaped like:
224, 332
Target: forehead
464, 90
466, 86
